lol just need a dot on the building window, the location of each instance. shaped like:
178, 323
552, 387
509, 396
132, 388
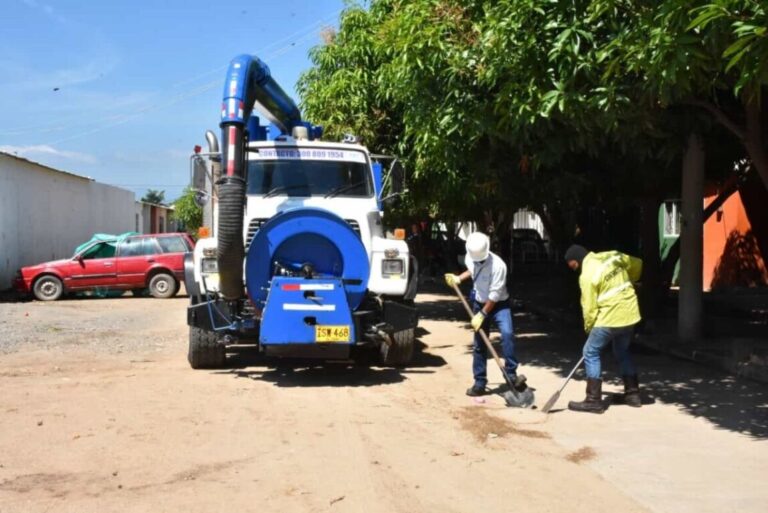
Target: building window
672, 218
137, 224
162, 225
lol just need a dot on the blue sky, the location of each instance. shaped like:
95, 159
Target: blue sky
121, 90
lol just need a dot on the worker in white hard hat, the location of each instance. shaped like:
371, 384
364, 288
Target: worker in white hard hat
490, 300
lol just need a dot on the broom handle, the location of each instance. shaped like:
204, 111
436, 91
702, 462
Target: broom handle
484, 336
571, 374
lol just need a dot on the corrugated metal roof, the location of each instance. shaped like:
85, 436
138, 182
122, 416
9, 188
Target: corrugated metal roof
47, 167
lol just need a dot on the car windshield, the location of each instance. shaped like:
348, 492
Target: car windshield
309, 178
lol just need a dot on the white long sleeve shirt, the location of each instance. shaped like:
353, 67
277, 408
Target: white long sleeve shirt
489, 278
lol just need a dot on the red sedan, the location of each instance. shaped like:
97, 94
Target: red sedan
137, 263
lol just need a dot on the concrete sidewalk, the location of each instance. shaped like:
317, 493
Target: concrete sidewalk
699, 443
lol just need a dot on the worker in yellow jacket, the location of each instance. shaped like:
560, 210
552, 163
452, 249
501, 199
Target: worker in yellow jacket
610, 309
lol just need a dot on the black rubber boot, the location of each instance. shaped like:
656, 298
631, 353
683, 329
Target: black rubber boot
593, 403
518, 382
476, 391
632, 391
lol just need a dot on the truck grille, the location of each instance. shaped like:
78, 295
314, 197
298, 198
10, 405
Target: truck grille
256, 223
354, 225
253, 227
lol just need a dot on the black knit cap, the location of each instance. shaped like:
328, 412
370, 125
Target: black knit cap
576, 252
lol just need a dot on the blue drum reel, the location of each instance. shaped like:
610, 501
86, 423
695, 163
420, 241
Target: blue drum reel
308, 271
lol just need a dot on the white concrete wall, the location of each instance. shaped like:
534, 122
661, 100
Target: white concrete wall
45, 214
528, 219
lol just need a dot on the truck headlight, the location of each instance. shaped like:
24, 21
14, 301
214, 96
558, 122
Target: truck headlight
391, 266
210, 265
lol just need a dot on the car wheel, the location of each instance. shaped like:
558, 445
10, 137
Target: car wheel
48, 288
162, 286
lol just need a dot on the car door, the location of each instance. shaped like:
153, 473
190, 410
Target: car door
135, 256
173, 249
92, 267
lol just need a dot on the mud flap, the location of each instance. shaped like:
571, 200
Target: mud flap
400, 316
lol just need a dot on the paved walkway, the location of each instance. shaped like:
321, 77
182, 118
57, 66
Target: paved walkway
699, 444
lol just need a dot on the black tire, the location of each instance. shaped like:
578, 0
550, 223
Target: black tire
162, 286
205, 352
48, 288
401, 351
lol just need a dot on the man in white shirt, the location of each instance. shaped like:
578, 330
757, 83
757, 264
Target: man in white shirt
490, 300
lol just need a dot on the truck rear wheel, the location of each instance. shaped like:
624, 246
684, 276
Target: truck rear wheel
205, 352
400, 352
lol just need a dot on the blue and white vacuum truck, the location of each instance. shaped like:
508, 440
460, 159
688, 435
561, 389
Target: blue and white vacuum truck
299, 262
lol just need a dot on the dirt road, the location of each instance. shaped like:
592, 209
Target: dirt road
99, 411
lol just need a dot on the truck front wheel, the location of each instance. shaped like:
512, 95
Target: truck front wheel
400, 352
205, 352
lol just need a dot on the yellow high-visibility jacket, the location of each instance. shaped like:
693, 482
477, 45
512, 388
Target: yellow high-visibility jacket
608, 298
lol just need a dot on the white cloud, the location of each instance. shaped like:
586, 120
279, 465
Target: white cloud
48, 151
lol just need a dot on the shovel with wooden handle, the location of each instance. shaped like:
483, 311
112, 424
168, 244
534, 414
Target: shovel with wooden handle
512, 397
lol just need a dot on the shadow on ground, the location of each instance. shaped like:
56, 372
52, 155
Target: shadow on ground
362, 371
553, 342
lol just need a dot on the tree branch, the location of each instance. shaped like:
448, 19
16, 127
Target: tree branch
721, 117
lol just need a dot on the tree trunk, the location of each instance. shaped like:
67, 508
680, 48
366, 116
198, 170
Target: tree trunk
753, 139
652, 293
691, 243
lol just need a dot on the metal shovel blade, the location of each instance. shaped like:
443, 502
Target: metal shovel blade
519, 399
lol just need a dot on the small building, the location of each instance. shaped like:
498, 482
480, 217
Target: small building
46, 212
735, 245
154, 218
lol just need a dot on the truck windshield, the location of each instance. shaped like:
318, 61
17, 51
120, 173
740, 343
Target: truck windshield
309, 178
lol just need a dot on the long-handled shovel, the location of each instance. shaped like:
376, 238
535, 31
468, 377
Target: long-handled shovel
512, 397
556, 395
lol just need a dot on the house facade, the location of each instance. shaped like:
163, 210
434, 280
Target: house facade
153, 218
46, 212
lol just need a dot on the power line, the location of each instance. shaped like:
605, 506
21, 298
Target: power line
112, 121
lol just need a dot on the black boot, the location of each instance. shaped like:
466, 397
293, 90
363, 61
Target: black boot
593, 403
632, 391
519, 383
476, 391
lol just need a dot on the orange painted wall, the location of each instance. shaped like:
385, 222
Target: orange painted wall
732, 256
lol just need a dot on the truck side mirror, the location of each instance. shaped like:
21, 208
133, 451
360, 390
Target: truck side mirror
199, 173
396, 177
201, 198
392, 201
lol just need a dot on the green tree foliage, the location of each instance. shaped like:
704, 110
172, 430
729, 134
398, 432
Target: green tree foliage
188, 212
154, 196
498, 104
710, 55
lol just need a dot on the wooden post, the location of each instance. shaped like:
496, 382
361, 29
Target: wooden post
689, 316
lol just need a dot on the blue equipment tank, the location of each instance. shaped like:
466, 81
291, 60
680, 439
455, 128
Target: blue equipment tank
307, 270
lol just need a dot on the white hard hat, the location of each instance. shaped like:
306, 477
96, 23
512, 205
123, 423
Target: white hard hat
477, 246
